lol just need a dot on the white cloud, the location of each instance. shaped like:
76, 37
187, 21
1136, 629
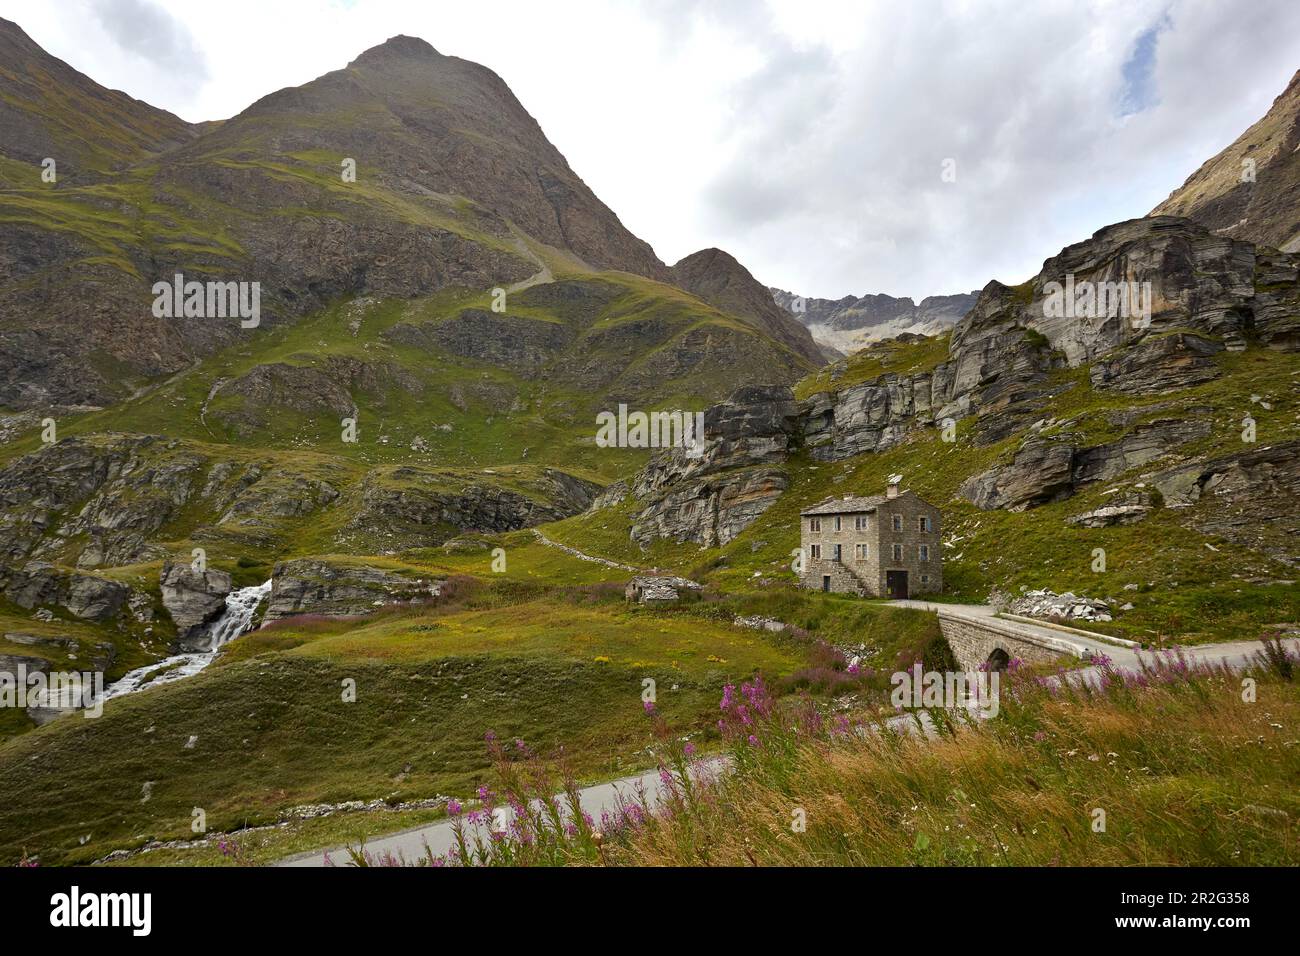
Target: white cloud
806, 136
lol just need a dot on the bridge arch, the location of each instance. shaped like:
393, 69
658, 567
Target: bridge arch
998, 660
988, 643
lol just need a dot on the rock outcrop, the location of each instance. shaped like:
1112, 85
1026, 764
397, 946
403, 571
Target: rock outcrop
1251, 498
407, 506
323, 390
1162, 363
101, 654
1206, 294
711, 496
1047, 469
1042, 471
521, 345
108, 500
313, 586
39, 584
192, 598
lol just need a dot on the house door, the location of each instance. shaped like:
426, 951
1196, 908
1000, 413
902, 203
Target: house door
896, 584
826, 582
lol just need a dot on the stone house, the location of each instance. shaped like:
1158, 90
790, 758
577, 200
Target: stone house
878, 546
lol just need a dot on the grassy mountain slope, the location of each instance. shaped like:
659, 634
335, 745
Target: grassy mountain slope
556, 667
48, 109
456, 189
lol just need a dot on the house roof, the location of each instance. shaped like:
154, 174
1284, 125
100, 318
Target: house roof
849, 504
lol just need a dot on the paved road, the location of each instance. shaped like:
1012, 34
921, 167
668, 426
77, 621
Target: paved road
1070, 641
438, 837
1235, 653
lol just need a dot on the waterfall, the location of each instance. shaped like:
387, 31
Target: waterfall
234, 620
238, 615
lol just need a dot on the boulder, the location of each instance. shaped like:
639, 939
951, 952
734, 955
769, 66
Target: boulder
1118, 513
193, 598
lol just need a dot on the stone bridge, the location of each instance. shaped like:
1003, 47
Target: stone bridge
979, 637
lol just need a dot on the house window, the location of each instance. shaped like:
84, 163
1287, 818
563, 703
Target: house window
814, 524
925, 552
816, 550
898, 552
860, 552
898, 522
835, 552
925, 579
860, 523
923, 522
837, 522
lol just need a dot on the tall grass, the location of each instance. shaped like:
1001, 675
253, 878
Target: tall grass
1170, 764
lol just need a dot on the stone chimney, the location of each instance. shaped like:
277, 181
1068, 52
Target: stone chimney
891, 489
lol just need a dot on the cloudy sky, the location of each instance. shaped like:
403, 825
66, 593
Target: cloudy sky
808, 138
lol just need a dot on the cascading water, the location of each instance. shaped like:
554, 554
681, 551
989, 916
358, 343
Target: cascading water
235, 620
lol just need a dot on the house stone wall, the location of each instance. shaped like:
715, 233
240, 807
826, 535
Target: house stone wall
868, 577
849, 575
910, 508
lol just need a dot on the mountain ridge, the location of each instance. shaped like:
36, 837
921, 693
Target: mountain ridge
107, 130
853, 322
456, 186
1251, 189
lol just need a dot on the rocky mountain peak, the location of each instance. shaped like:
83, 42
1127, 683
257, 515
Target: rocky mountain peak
12, 31
720, 280
400, 47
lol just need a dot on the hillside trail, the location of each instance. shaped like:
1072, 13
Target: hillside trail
541, 277
583, 556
